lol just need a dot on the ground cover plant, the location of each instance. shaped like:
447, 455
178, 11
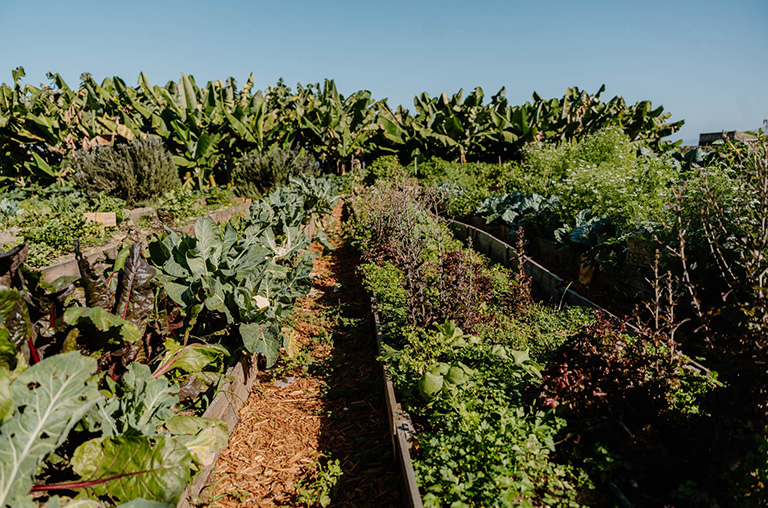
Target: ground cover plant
52, 220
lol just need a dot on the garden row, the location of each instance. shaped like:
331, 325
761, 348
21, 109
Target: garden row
102, 375
673, 413
209, 130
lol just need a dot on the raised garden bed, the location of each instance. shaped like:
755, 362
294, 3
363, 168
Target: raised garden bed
401, 428
68, 268
137, 323
550, 284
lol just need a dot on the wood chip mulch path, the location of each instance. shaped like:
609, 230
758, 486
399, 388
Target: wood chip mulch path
331, 410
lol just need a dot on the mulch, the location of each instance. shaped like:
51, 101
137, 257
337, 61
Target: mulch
298, 417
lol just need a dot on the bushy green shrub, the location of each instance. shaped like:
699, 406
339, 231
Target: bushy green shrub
462, 187
385, 168
602, 172
257, 173
138, 172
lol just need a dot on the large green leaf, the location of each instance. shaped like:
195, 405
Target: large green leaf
203, 437
262, 339
179, 293
208, 239
103, 321
124, 468
190, 358
54, 395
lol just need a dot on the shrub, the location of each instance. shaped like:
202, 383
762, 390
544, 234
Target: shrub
138, 171
256, 173
603, 173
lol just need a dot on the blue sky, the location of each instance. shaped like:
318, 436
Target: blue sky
705, 61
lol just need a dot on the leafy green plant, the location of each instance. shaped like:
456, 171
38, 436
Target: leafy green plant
125, 468
250, 279
604, 173
9, 209
319, 489
49, 399
136, 172
480, 444
181, 203
536, 215
57, 233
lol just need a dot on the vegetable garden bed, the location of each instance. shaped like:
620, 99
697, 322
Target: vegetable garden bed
68, 267
549, 284
220, 293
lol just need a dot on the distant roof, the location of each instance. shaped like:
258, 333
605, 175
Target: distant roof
710, 137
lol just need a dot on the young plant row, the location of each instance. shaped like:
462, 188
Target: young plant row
95, 372
208, 129
52, 219
517, 403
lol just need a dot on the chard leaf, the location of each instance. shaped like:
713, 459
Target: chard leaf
135, 299
97, 290
54, 395
124, 468
262, 339
203, 437
104, 321
191, 358
15, 324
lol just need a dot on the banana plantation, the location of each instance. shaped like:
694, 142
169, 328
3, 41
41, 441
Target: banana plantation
208, 129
